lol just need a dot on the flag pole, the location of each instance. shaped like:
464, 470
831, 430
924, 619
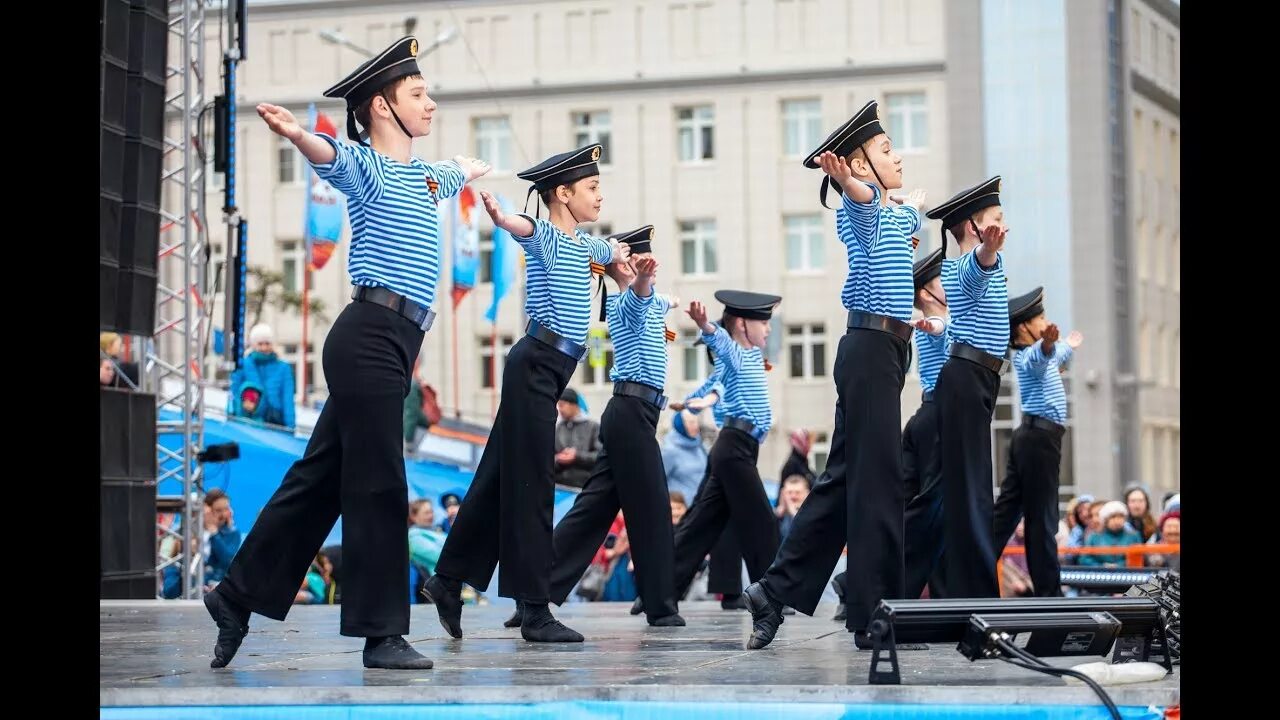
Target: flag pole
306, 262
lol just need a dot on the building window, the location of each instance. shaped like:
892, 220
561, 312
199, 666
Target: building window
290, 167
697, 366
908, 121
593, 127
804, 242
491, 372
819, 450
698, 247
1162, 356
291, 265
493, 141
695, 127
807, 350
801, 126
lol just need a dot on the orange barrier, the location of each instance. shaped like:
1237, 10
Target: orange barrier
1133, 554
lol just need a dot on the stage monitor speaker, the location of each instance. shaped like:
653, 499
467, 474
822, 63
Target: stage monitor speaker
127, 586
142, 165
139, 238
148, 43
113, 89
126, 435
115, 30
111, 159
143, 115
108, 289
136, 302
109, 227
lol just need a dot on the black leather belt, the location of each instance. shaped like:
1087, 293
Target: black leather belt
926, 396
745, 426
408, 309
883, 323
968, 352
649, 394
1042, 423
536, 331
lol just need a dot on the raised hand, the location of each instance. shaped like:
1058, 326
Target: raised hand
697, 312
993, 237
646, 267
491, 206
835, 166
621, 252
915, 199
1075, 338
472, 167
1050, 335
281, 121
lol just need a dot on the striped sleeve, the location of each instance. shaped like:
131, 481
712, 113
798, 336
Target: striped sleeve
664, 302
632, 308
1034, 360
601, 250
860, 222
724, 347
450, 177
908, 220
352, 172
541, 245
974, 278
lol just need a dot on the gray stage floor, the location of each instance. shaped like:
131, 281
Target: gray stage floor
157, 653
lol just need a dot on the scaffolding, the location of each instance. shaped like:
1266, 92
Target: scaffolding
174, 353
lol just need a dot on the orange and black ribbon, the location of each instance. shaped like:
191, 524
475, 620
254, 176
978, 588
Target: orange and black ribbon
669, 334
598, 269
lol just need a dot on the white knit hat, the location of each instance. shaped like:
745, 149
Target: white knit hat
1115, 507
261, 333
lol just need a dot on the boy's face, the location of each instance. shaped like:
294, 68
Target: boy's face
249, 404
583, 198
678, 509
1115, 523
754, 332
413, 106
1172, 530
881, 156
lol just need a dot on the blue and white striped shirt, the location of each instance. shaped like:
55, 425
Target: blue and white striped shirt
878, 242
1040, 380
931, 355
558, 277
978, 300
638, 329
395, 224
712, 384
746, 390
